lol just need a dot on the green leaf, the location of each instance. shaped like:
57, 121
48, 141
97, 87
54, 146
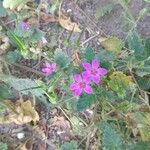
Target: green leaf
77, 125
12, 57
18, 42
143, 12
143, 71
119, 82
104, 56
4, 91
3, 146
25, 86
13, 4
135, 45
19, 31
3, 108
37, 35
111, 139
85, 101
107, 95
55, 5
123, 106
139, 146
144, 82
70, 146
147, 47
148, 1
112, 44
61, 59
89, 54
106, 59
102, 11
52, 96
3, 11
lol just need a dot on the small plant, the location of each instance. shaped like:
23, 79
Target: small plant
98, 97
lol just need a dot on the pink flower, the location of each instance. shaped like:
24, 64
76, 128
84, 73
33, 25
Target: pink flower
94, 72
49, 68
80, 85
25, 26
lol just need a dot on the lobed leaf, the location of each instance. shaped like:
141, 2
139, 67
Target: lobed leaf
111, 139
135, 45
89, 54
72, 145
85, 102
112, 44
61, 59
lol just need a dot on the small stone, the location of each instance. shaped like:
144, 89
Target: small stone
20, 135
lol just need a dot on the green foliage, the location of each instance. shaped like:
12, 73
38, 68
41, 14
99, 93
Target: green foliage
119, 82
124, 122
4, 91
102, 11
147, 47
77, 125
13, 4
72, 145
107, 95
123, 106
12, 56
52, 9
52, 96
25, 86
106, 59
144, 82
3, 146
143, 12
143, 71
18, 42
148, 1
20, 32
3, 11
139, 146
85, 101
36, 35
61, 59
105, 56
111, 139
123, 3
89, 54
135, 45
112, 44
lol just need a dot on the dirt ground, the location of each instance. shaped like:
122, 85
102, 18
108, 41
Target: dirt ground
112, 24
83, 12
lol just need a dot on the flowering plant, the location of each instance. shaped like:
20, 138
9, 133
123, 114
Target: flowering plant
93, 73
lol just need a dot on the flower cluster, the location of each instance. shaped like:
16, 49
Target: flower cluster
48, 68
25, 26
92, 73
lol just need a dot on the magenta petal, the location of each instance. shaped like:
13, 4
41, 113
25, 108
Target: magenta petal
46, 70
96, 79
78, 78
86, 65
86, 75
74, 86
53, 66
95, 63
77, 92
47, 65
88, 89
102, 71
